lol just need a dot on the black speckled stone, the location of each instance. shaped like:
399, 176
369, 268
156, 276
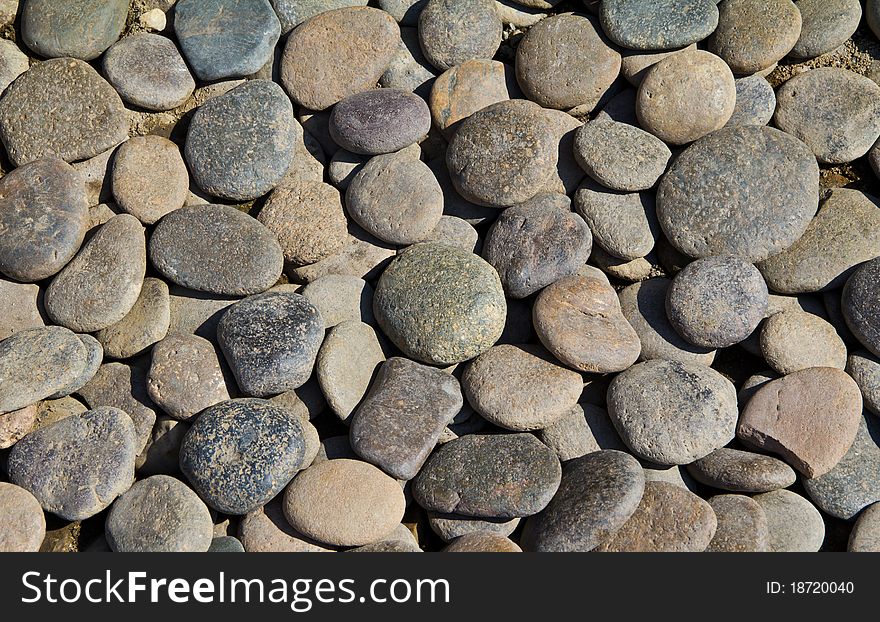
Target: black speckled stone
75, 28
239, 454
271, 341
379, 121
742, 471
658, 24
861, 299
453, 31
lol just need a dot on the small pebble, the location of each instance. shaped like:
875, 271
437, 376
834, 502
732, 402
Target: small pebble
865, 370
865, 535
467, 88
624, 225
80, 29
146, 323
755, 102
482, 543
742, 471
477, 31
379, 121
827, 24
861, 297
794, 340
148, 71
149, 178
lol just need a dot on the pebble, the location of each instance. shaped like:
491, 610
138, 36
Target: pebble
149, 178
467, 88
747, 191
379, 121
567, 175
565, 62
344, 503
582, 430
226, 544
409, 70
159, 514
489, 476
341, 297
78, 466
520, 387
455, 231
271, 341
827, 24
503, 154
742, 471
146, 323
865, 370
698, 406
362, 256
16, 424
398, 423
23, 523
865, 535
43, 218
336, 54
861, 297
742, 525
196, 313
252, 123
216, 249
80, 29
636, 64
755, 102
658, 25
452, 526
598, 495
154, 19
579, 320
405, 12
716, 302
752, 35
430, 287
482, 543
535, 244
94, 357
794, 340
292, 13
62, 108
796, 526
453, 203
161, 455
809, 417
476, 34
185, 376
686, 96
226, 38
147, 71
13, 63
620, 156
240, 453
624, 225
629, 271
266, 530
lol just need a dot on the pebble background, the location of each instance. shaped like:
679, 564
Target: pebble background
439, 275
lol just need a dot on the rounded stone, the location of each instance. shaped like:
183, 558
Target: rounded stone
578, 319
252, 124
22, 523
755, 102
266, 530
292, 13
467, 88
827, 24
752, 35
379, 121
144, 325
240, 453
476, 32
865, 370
78, 466
865, 535
597, 496
581, 431
669, 412
860, 301
149, 178
503, 154
346, 365
336, 54
716, 302
482, 543
742, 525
148, 71
686, 96
60, 107
271, 341
620, 156
43, 218
636, 64
452, 526
16, 424
747, 191
344, 503
658, 25
159, 514
440, 304
795, 340
455, 231
341, 297
565, 62
742, 471
216, 249
226, 544
795, 525
80, 29
535, 244
395, 198
624, 225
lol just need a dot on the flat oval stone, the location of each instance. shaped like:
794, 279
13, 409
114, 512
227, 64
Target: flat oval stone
240, 453
149, 178
520, 388
78, 466
148, 71
755, 102
865, 370
742, 471
565, 62
62, 108
752, 35
503, 154
379, 121
159, 514
491, 476
226, 38
578, 319
266, 530
718, 301
658, 25
22, 523
467, 88
673, 413
865, 535
252, 123
144, 325
76, 28
476, 32
482, 543
796, 526
430, 288
344, 503
620, 156
794, 340
43, 218
346, 364
742, 525
216, 249
809, 417
452, 526
271, 341
744, 191
102, 283
292, 13
827, 24
535, 244
598, 495
669, 519
400, 420
686, 96
336, 54
624, 225
834, 111
861, 297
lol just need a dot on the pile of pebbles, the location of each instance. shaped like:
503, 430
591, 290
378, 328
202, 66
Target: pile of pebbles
424, 275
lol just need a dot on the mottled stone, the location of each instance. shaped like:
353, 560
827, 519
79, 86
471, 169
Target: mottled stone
860, 301
865, 535
620, 156
346, 364
658, 25
476, 32
742, 525
149, 178
226, 544
467, 88
624, 225
22, 523
795, 525
379, 121
826, 25
94, 357
755, 102
865, 370
76, 28
794, 340
752, 35
144, 325
742, 471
